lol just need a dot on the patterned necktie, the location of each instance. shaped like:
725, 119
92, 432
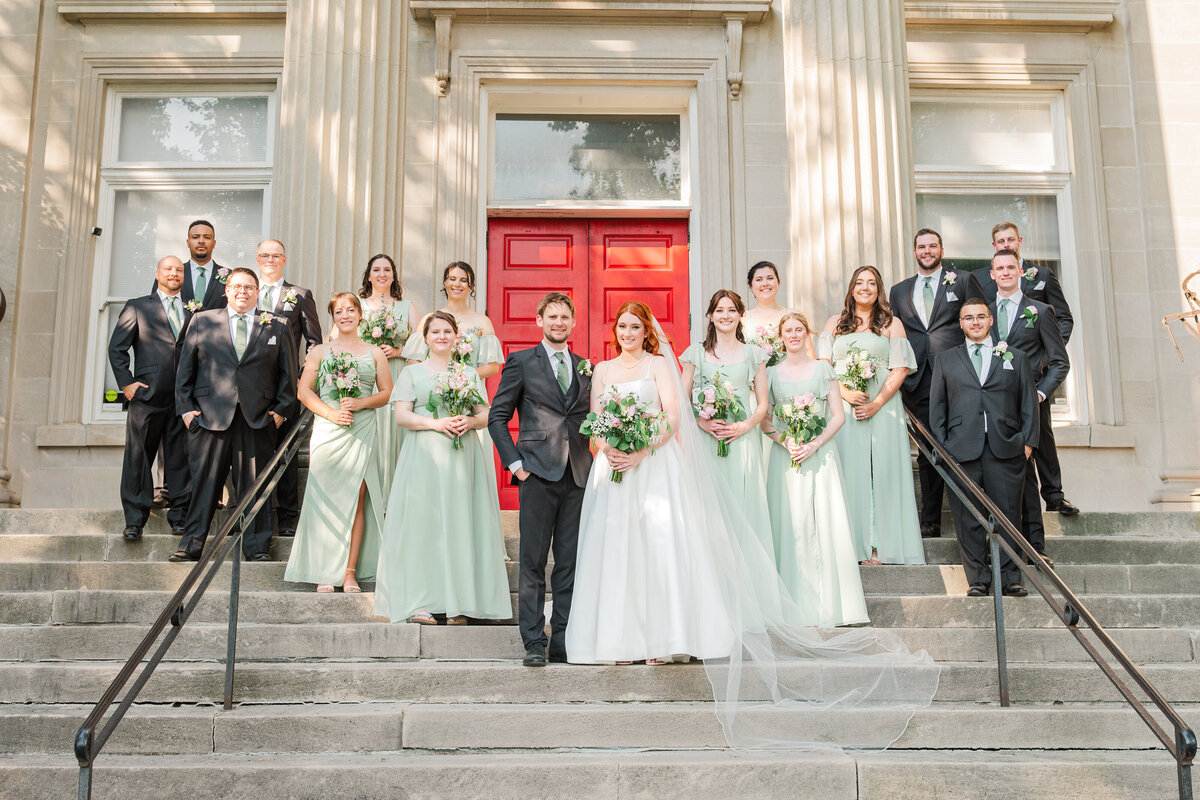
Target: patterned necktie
268, 301
1002, 317
564, 377
240, 336
174, 317
927, 296
201, 284
977, 360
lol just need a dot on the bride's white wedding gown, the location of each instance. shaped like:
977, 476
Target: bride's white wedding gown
645, 582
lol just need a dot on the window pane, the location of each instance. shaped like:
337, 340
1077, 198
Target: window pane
1006, 135
194, 129
965, 222
587, 158
148, 225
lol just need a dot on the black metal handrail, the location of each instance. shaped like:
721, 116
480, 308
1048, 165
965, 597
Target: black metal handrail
1181, 745
91, 737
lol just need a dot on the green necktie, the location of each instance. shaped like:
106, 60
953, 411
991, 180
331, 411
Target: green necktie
927, 296
564, 377
239, 338
1002, 316
174, 317
201, 285
268, 301
977, 360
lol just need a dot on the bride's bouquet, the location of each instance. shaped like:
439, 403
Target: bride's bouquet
382, 328
799, 419
716, 399
339, 372
625, 422
770, 343
457, 391
857, 370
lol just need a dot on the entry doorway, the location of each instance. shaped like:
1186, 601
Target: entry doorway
599, 264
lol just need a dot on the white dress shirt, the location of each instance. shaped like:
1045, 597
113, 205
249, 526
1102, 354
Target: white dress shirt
551, 353
918, 296
165, 299
276, 288
985, 352
1013, 309
250, 320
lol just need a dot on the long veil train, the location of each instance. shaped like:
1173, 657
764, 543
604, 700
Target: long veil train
787, 683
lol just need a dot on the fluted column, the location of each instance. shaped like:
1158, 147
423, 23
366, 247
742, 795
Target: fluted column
338, 183
848, 137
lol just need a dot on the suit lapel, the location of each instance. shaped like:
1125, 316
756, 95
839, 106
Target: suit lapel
906, 299
226, 323
255, 332
159, 315
939, 298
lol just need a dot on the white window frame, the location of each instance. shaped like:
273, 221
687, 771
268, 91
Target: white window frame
117, 176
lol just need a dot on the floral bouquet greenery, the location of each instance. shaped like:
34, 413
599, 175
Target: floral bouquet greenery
626, 423
857, 369
716, 399
382, 328
339, 372
457, 391
799, 419
770, 343
464, 345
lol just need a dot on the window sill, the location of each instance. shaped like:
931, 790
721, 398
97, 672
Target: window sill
690, 10
170, 9
1084, 15
76, 434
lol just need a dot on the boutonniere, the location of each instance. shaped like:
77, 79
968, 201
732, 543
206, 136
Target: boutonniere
949, 278
1030, 315
223, 274
584, 368
1000, 351
192, 306
290, 299
1030, 273
266, 319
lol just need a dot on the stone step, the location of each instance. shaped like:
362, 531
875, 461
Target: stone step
269, 642
85, 606
364, 727
509, 682
946, 775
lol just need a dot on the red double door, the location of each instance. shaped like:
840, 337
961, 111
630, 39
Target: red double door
599, 264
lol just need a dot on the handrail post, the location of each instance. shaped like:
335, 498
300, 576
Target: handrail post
998, 605
1185, 750
85, 783
235, 579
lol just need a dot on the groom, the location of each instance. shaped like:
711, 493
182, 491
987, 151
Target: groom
549, 388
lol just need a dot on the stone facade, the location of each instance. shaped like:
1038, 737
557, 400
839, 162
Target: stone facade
800, 152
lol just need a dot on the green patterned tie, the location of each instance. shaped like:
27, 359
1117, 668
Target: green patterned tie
1002, 316
977, 360
201, 285
564, 377
174, 317
927, 296
268, 301
239, 338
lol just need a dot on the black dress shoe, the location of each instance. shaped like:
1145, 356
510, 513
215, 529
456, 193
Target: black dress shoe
931, 531
132, 534
161, 500
259, 557
288, 532
180, 555
1049, 561
535, 656
177, 530
1015, 590
1064, 507
977, 590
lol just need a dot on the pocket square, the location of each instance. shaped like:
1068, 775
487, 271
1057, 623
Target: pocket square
271, 340
951, 297
1040, 285
1008, 365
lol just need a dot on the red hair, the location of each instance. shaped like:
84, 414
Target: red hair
642, 312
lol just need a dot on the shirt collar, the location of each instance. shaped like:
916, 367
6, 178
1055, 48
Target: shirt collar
277, 284
550, 351
166, 298
985, 345
1017, 296
232, 313
936, 275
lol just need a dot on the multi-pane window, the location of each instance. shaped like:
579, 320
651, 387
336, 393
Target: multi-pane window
169, 159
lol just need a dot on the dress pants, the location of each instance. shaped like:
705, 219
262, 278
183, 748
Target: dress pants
1002, 479
932, 486
238, 452
549, 521
147, 428
1045, 456
287, 491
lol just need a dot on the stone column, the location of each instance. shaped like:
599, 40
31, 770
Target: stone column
338, 180
846, 79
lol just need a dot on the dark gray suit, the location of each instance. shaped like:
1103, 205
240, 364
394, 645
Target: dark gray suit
214, 289
929, 341
1042, 286
985, 428
234, 430
556, 454
151, 419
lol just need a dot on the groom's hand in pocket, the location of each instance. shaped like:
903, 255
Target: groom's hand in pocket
521, 474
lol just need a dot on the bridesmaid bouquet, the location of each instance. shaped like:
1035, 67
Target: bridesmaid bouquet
718, 400
457, 391
800, 420
382, 328
463, 346
857, 370
769, 343
339, 372
625, 422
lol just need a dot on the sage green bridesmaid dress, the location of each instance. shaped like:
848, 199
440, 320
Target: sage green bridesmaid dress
340, 460
442, 549
811, 527
389, 434
876, 459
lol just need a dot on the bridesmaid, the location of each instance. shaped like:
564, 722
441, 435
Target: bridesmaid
762, 321
724, 352
815, 549
381, 289
458, 285
444, 554
874, 444
342, 513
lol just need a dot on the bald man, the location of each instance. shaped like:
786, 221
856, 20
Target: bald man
152, 327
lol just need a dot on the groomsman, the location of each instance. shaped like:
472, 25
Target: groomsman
153, 326
983, 410
236, 385
928, 304
295, 306
1029, 326
1040, 284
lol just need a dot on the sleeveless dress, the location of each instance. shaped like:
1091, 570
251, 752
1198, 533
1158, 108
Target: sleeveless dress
442, 546
388, 436
643, 581
339, 461
743, 471
876, 458
813, 540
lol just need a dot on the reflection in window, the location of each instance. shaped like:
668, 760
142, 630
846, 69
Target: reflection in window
993, 134
965, 222
194, 129
589, 158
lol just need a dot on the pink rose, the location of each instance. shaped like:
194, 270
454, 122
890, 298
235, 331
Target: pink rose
377, 332
710, 395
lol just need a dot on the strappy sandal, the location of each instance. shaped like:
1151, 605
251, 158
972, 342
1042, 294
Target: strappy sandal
873, 561
324, 588
351, 588
423, 618
459, 620
656, 662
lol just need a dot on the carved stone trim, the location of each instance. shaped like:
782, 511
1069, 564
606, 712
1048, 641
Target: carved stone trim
1028, 14
441, 25
160, 9
733, 53
681, 10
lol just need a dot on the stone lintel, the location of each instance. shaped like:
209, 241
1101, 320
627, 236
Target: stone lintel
1082, 15
629, 10
168, 9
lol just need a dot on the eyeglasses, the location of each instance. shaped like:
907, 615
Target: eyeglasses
271, 256
242, 288
976, 318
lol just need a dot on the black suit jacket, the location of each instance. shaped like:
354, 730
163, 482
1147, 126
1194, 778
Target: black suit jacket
303, 324
548, 440
958, 403
1040, 341
212, 381
214, 290
943, 332
1042, 286
143, 326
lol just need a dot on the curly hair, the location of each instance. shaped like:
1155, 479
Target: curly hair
642, 312
881, 312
